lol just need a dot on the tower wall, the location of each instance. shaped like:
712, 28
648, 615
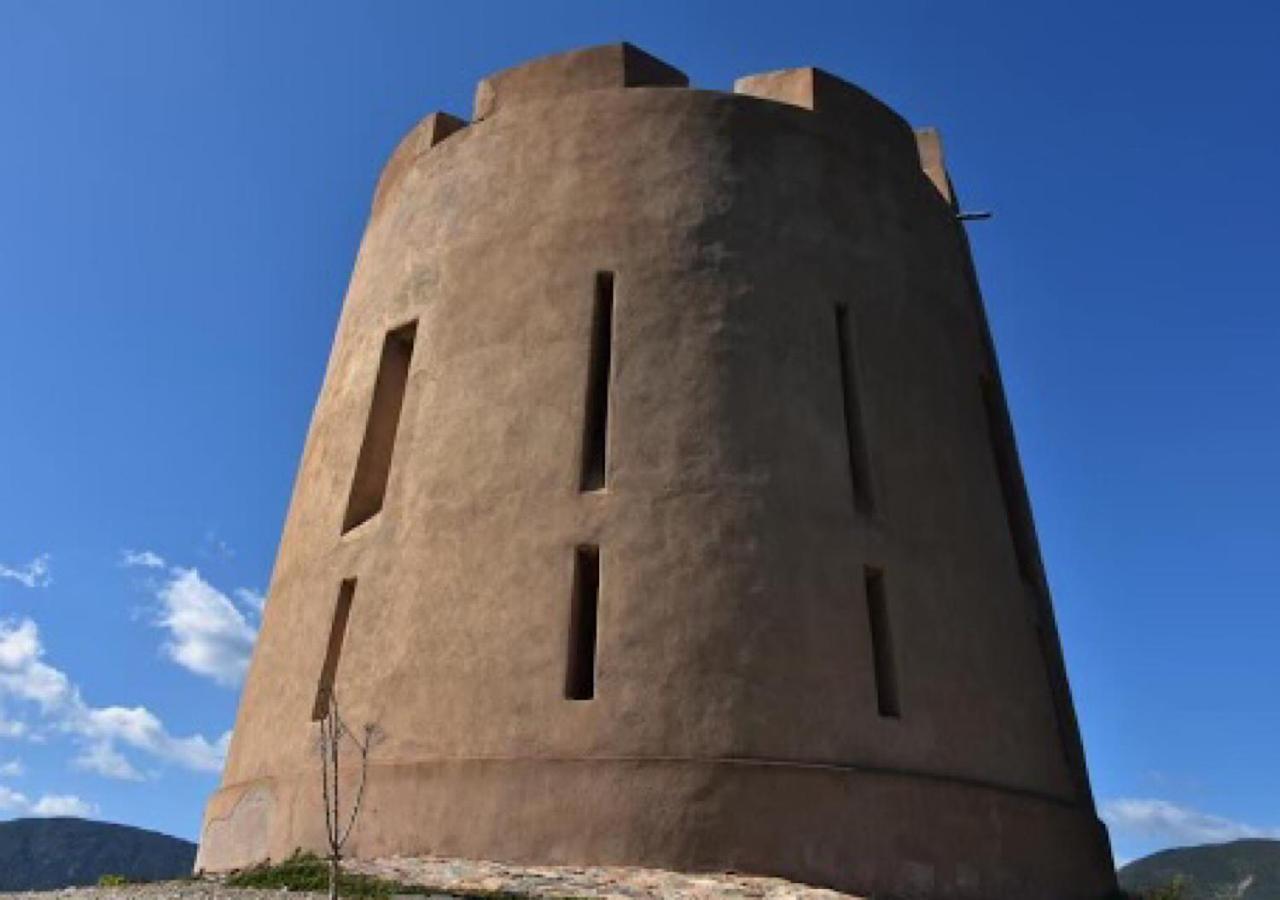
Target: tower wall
738, 715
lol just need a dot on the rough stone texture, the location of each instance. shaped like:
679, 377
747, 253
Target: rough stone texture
929, 143
456, 877
593, 68
425, 135
604, 882
165, 890
735, 723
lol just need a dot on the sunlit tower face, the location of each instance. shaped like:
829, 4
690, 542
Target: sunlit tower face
661, 507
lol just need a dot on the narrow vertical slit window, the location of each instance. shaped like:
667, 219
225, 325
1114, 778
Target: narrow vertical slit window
1017, 510
596, 423
373, 466
337, 631
855, 433
580, 677
881, 644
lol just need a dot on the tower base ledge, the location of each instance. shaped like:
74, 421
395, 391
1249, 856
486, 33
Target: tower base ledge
861, 831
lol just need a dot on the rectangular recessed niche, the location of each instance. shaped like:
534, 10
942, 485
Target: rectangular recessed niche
1017, 509
596, 420
373, 466
337, 631
855, 433
881, 644
580, 677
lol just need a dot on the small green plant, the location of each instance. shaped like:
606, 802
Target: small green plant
1174, 890
308, 872
300, 872
109, 879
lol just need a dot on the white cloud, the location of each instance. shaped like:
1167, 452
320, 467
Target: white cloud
13, 768
250, 599
48, 805
24, 675
207, 633
145, 559
138, 727
103, 731
62, 805
104, 759
33, 575
12, 801
19, 645
1168, 821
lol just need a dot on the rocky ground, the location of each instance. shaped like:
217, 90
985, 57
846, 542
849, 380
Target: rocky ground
468, 877
596, 882
161, 890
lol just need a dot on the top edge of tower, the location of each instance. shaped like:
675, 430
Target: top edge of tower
818, 91
624, 65
842, 105
934, 163
619, 65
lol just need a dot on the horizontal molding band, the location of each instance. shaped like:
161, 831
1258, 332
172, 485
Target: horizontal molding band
735, 761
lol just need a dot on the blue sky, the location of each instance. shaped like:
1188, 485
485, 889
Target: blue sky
182, 190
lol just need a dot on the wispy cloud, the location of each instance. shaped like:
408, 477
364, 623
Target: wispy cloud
1168, 821
208, 634
103, 732
215, 547
102, 758
251, 599
12, 801
63, 805
12, 769
34, 574
145, 559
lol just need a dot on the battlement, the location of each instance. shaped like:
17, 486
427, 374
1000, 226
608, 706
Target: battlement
591, 68
843, 106
421, 138
929, 145
837, 100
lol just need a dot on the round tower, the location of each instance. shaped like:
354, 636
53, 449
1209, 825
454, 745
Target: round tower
661, 507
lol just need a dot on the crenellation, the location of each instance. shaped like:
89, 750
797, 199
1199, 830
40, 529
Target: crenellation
932, 161
429, 132
619, 65
818, 90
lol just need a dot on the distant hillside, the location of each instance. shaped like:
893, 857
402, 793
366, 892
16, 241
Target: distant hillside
1241, 870
37, 854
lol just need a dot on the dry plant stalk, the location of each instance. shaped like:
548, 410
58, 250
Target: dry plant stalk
332, 733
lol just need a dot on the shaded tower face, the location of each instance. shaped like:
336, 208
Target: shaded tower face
661, 508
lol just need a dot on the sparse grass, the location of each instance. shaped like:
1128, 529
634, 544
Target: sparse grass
110, 880
308, 872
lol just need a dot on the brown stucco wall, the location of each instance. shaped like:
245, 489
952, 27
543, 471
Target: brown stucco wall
735, 722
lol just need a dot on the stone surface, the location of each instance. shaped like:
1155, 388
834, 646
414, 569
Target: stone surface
861, 119
737, 719
603, 882
929, 143
421, 138
166, 890
594, 68
461, 875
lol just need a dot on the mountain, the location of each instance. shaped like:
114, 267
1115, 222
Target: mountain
38, 854
1240, 870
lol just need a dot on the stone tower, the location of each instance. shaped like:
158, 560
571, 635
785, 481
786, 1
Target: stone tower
662, 508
